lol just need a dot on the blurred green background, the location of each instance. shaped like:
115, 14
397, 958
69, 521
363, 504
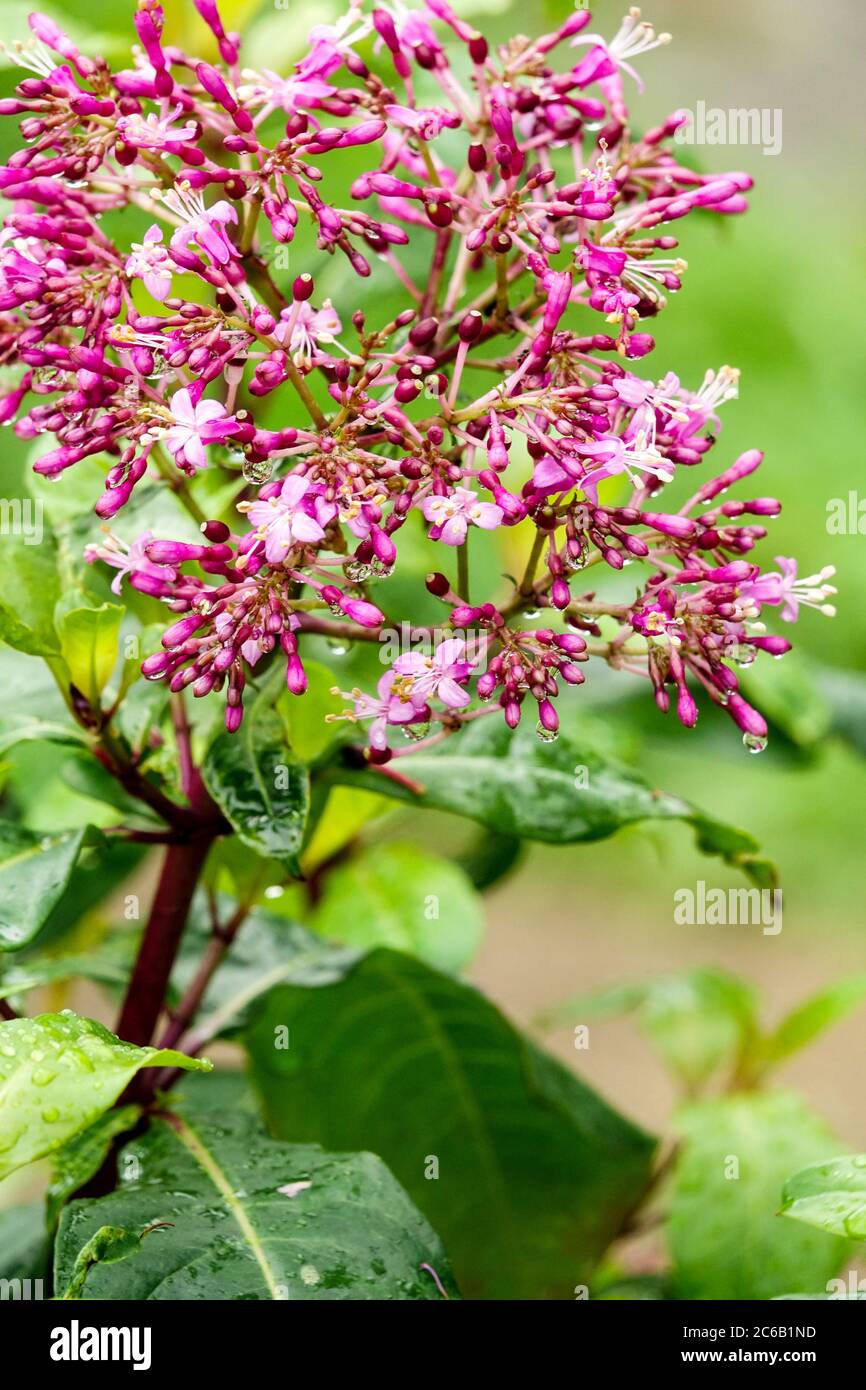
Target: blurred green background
779, 294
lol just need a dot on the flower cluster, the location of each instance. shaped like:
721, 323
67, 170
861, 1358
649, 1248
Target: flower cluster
524, 231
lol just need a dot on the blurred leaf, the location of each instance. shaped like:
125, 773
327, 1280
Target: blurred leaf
18, 728
260, 786
31, 588
536, 1173
346, 810
845, 692
789, 696
831, 1196
697, 1019
724, 1230
398, 895
58, 1072
809, 1020
490, 858
555, 792
35, 973
23, 1241
88, 643
34, 872
252, 1218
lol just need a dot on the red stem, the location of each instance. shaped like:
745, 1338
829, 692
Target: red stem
181, 868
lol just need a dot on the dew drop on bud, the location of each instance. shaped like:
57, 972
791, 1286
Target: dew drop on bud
257, 470
337, 645
755, 743
546, 735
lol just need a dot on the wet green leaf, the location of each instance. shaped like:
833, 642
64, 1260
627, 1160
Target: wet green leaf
252, 1218
830, 1195
58, 1072
34, 872
260, 786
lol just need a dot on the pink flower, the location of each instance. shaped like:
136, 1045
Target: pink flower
129, 560
396, 704
202, 227
197, 423
786, 589
154, 132
451, 516
440, 673
426, 122
309, 327
289, 518
150, 263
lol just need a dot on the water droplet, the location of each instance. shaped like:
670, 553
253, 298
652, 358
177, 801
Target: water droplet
257, 470
755, 743
51, 1115
532, 613
337, 645
10, 934
415, 732
42, 1076
546, 735
357, 571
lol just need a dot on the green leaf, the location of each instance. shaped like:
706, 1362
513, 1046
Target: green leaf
88, 643
697, 1019
58, 1072
555, 792
252, 1218
400, 896
831, 1196
22, 728
724, 1230
77, 1162
809, 1020
33, 974
31, 588
304, 718
260, 786
34, 872
23, 1242
267, 950
524, 1171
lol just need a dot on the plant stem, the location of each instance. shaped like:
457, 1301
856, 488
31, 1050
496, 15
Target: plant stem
463, 569
181, 868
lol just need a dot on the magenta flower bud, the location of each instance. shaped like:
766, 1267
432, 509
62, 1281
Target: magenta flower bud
360, 611
560, 595
744, 465
180, 632
681, 527
464, 615
486, 685
512, 713
437, 584
470, 327
215, 531
476, 158
384, 548
687, 710
547, 716
776, 646
153, 667
570, 643
571, 673
745, 717
234, 716
302, 287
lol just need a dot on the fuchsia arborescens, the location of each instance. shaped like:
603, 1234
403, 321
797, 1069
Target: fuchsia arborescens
546, 225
